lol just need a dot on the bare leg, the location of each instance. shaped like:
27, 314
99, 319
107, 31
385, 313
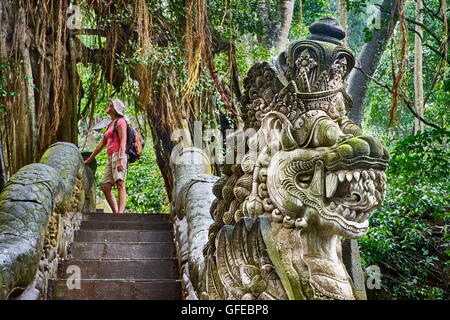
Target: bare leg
107, 190
122, 195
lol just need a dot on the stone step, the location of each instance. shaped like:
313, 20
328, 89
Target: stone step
116, 290
130, 217
123, 236
122, 250
122, 269
125, 225
121, 257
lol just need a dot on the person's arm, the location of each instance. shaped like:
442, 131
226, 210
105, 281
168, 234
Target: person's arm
99, 148
123, 143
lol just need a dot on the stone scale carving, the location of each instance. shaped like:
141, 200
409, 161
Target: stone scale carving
308, 178
60, 233
41, 206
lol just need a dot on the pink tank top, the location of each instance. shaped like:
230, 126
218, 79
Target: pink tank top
112, 138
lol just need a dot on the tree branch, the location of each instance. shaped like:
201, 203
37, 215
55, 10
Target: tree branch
432, 12
441, 54
414, 22
369, 58
220, 44
409, 104
431, 33
98, 32
286, 8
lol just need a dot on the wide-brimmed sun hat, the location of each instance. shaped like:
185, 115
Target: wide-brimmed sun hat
118, 106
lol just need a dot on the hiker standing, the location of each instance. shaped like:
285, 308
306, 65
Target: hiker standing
115, 140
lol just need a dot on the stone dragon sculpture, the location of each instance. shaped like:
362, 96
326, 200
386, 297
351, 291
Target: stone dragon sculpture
308, 177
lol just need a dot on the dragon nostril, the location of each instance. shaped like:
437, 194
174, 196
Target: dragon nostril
345, 151
331, 157
359, 146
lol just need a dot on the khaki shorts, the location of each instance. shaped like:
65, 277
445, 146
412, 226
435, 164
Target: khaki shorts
111, 173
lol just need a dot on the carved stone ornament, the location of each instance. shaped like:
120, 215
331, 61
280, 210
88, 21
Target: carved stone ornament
309, 177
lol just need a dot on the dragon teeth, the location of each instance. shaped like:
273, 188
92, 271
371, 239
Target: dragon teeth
361, 184
365, 175
331, 184
369, 184
356, 175
346, 213
364, 216
349, 176
353, 215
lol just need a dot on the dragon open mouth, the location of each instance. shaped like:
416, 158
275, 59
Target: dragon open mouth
352, 194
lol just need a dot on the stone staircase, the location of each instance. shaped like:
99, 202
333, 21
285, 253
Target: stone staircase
121, 257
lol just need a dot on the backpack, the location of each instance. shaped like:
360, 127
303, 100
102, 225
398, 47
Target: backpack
134, 145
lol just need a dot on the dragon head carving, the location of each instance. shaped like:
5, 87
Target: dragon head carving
321, 166
335, 177
307, 168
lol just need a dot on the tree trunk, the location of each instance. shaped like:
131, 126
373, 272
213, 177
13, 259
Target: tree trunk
418, 69
286, 8
29, 87
2, 168
42, 77
264, 17
161, 141
341, 12
300, 9
368, 60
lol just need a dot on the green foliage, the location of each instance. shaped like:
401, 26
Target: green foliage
5, 91
311, 12
233, 18
408, 237
144, 183
436, 80
96, 93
